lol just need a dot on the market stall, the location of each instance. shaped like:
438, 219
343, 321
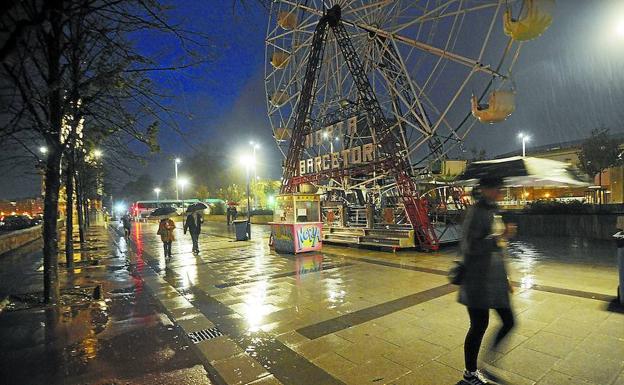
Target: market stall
297, 226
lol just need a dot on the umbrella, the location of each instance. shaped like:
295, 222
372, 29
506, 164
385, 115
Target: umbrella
198, 206
523, 171
163, 212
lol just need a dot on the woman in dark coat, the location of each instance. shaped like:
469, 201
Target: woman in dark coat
125, 220
193, 225
485, 285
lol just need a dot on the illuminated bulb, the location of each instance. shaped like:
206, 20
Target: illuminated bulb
619, 29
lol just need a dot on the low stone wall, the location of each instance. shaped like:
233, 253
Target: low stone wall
18, 238
14, 239
593, 226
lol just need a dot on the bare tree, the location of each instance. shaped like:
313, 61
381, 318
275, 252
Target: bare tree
69, 62
599, 152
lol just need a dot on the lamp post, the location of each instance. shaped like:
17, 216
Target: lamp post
255, 146
157, 191
248, 162
183, 182
525, 138
176, 162
44, 151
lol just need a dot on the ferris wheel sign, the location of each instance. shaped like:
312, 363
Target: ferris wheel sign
347, 155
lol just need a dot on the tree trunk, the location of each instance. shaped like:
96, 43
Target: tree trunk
53, 43
69, 216
79, 207
86, 212
50, 231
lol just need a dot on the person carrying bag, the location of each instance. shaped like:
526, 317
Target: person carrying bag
482, 275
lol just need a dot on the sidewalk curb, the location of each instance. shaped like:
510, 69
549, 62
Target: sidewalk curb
209, 344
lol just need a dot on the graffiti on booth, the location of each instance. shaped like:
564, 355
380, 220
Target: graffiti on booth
309, 236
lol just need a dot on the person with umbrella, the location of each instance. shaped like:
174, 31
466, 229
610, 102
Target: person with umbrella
193, 223
485, 284
166, 227
125, 220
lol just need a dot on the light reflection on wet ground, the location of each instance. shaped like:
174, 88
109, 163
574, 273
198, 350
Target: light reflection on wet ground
563, 250
356, 306
534, 257
119, 339
261, 301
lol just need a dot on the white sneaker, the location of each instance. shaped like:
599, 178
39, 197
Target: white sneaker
475, 378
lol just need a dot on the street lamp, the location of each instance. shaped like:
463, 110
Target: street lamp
248, 162
619, 29
97, 153
43, 150
525, 138
157, 191
176, 162
254, 146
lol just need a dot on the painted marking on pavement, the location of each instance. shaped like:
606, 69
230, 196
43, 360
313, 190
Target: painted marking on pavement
370, 313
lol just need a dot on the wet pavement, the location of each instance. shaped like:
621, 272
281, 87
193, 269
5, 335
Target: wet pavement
124, 338
343, 316
354, 316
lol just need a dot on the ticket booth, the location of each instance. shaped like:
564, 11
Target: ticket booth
297, 226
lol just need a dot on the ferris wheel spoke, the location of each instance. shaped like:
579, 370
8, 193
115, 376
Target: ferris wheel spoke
457, 58
438, 13
453, 100
398, 94
415, 106
468, 62
375, 4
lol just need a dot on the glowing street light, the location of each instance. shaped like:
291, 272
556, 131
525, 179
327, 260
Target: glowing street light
97, 153
157, 191
183, 182
120, 208
331, 141
525, 138
176, 162
619, 28
43, 150
255, 146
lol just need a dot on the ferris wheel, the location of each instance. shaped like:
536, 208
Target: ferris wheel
437, 69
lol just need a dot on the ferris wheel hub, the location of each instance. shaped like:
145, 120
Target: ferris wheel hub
333, 15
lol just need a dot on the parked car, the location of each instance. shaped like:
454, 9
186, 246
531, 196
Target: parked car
36, 220
16, 222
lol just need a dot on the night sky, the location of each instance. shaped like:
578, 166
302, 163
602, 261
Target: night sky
568, 82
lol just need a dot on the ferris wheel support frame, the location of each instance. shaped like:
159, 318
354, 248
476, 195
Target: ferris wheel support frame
392, 151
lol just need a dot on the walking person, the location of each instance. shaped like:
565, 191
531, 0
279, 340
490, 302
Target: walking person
485, 284
125, 220
165, 230
193, 224
228, 215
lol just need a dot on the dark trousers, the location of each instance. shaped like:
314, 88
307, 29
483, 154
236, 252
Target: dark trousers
479, 320
195, 238
167, 248
127, 231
